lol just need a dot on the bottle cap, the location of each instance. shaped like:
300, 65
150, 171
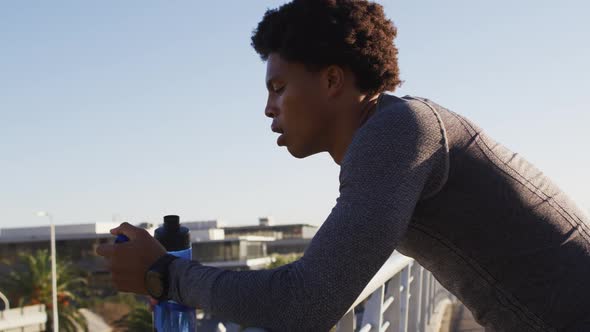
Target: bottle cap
172, 235
172, 223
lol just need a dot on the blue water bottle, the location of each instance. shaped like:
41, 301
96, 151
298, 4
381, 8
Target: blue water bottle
169, 315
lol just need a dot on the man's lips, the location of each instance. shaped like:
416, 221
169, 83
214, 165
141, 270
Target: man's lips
281, 139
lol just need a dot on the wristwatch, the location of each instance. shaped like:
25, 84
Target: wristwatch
157, 278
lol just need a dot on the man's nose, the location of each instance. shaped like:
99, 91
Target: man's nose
270, 110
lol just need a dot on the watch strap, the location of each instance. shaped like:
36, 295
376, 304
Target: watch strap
161, 266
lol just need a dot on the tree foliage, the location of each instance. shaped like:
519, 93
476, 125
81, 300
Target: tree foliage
30, 283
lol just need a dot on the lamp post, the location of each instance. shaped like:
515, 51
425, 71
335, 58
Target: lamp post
53, 268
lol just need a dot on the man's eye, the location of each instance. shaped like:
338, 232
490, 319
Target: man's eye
279, 89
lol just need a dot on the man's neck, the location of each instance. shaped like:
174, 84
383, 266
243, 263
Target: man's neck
350, 124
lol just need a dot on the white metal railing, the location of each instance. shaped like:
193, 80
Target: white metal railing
27, 318
5, 300
401, 297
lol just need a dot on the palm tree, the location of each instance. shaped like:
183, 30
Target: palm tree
32, 285
138, 320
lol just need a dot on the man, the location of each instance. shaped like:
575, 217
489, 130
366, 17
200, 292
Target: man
415, 177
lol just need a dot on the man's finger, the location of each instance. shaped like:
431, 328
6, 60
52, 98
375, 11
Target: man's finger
128, 230
105, 250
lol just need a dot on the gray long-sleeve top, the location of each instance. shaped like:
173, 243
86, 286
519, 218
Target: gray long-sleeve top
429, 183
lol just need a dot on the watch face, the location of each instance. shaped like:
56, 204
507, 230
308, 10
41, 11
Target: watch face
154, 284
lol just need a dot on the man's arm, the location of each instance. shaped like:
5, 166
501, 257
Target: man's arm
383, 175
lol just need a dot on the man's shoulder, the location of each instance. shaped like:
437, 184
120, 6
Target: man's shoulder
408, 113
409, 125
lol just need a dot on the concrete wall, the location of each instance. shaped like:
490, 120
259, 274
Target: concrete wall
207, 234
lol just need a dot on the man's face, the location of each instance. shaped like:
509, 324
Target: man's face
297, 103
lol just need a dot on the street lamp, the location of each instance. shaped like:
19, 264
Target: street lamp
53, 268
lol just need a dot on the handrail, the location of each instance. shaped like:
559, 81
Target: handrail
401, 296
5, 299
392, 266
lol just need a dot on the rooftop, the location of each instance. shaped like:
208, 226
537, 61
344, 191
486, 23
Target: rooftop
62, 232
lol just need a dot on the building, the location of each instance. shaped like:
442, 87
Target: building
74, 242
290, 238
204, 230
241, 253
266, 228
236, 248
78, 243
211, 247
287, 231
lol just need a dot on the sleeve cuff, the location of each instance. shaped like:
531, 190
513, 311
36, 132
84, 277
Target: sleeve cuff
191, 283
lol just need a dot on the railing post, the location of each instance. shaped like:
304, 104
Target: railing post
415, 298
404, 297
394, 311
347, 322
425, 305
431, 303
372, 314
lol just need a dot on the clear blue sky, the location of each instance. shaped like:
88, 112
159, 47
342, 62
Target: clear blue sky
135, 109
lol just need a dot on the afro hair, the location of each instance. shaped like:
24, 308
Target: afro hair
318, 33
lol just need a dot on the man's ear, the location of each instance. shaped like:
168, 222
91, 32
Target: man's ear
333, 80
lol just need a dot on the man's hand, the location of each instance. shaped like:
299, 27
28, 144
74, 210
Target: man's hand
128, 261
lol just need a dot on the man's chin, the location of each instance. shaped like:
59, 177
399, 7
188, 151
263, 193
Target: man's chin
300, 153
